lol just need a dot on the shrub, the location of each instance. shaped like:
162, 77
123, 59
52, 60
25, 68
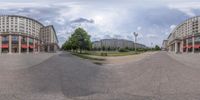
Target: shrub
104, 54
123, 50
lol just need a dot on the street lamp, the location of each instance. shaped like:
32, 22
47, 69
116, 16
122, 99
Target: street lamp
135, 34
151, 45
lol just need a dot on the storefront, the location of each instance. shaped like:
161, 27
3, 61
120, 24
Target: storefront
13, 43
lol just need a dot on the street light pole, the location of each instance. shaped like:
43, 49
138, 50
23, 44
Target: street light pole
135, 34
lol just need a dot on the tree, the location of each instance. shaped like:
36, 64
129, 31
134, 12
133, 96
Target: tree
79, 40
109, 48
103, 48
157, 47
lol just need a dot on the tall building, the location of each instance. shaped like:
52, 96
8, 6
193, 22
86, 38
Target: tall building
23, 34
48, 35
116, 43
164, 45
185, 37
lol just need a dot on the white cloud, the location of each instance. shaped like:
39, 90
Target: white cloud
60, 20
47, 22
9, 5
172, 27
186, 7
139, 28
152, 36
166, 33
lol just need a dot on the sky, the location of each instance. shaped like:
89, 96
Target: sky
153, 20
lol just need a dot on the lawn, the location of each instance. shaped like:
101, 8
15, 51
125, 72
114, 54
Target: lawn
110, 53
86, 56
97, 58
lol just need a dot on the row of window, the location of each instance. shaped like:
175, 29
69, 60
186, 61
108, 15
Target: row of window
15, 38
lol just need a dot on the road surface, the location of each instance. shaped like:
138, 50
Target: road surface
160, 76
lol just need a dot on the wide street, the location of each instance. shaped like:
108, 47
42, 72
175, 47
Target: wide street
61, 76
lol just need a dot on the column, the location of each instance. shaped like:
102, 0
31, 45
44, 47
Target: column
193, 43
182, 44
33, 45
176, 47
10, 44
187, 45
0, 44
38, 46
19, 43
48, 48
27, 41
171, 47
55, 47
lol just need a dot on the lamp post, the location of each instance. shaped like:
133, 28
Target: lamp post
135, 34
151, 45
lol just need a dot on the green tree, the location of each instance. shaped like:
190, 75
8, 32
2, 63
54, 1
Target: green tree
103, 48
79, 40
157, 47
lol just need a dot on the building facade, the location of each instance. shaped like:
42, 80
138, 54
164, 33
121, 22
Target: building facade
48, 34
116, 43
20, 34
185, 37
164, 45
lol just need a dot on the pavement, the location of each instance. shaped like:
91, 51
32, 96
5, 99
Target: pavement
160, 76
20, 61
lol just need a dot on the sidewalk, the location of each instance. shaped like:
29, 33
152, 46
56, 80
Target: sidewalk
18, 61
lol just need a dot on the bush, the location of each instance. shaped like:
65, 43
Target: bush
123, 50
104, 54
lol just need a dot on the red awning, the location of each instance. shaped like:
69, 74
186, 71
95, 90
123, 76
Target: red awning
184, 46
24, 46
197, 46
4, 45
189, 46
31, 46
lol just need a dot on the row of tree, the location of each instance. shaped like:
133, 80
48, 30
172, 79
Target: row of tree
103, 48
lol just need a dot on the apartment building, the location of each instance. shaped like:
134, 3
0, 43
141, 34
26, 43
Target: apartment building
185, 37
48, 34
116, 43
20, 34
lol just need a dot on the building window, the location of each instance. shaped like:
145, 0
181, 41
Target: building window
14, 38
23, 39
190, 41
5, 39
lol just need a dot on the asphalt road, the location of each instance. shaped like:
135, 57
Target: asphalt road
65, 77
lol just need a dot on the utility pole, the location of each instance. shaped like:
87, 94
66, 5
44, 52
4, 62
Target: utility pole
135, 34
101, 46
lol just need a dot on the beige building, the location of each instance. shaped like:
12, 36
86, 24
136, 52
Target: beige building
116, 43
48, 35
185, 37
164, 45
20, 34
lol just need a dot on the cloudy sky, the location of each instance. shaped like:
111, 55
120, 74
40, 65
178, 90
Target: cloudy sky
152, 19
